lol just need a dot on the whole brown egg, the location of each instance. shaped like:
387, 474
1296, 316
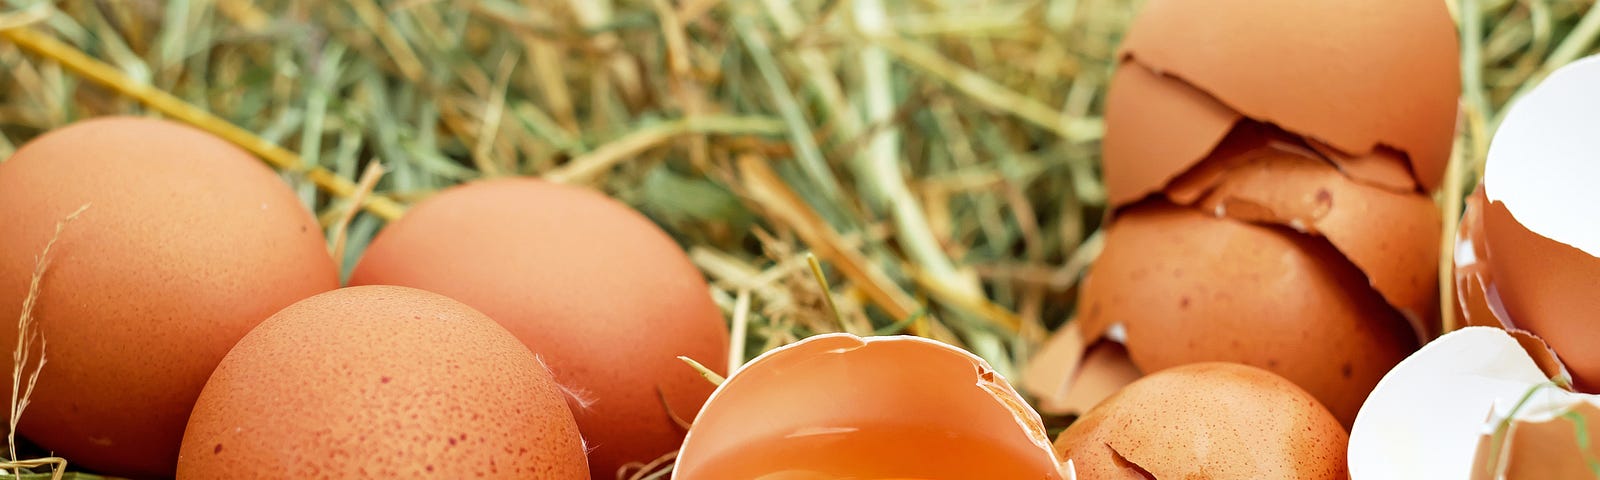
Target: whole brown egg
381, 382
600, 293
188, 242
1207, 420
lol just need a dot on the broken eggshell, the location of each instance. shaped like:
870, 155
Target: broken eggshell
1207, 420
1191, 287
1539, 231
841, 406
1322, 69
1072, 372
1143, 106
1474, 403
1261, 176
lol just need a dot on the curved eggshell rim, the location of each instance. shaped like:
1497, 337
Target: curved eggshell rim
984, 378
1541, 161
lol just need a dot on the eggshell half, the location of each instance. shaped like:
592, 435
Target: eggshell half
1191, 287
1323, 69
1471, 404
381, 382
841, 406
597, 290
1539, 224
1208, 420
188, 243
1143, 106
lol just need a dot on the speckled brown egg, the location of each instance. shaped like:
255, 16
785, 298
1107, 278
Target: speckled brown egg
188, 243
1190, 287
381, 382
597, 290
1216, 421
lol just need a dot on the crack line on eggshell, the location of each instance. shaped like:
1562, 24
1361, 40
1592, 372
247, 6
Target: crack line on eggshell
1376, 146
1119, 457
1209, 194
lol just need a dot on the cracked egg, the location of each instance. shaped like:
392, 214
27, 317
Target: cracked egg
1269, 184
841, 406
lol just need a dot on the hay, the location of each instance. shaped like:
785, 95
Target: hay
938, 156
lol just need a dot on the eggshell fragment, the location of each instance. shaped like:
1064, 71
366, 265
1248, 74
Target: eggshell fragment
381, 382
1207, 420
1323, 69
841, 406
1383, 167
1477, 302
1540, 232
1272, 185
188, 242
1471, 404
1191, 288
1073, 373
597, 290
1144, 105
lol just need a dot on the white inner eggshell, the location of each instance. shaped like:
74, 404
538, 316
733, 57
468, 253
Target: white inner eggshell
1545, 158
1425, 417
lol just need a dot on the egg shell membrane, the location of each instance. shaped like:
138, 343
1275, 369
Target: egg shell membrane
605, 297
1072, 373
1208, 420
1424, 418
1158, 128
1322, 69
187, 243
381, 382
1391, 237
1191, 287
840, 382
1547, 288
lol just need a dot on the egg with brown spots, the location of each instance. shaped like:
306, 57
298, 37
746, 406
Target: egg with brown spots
381, 382
187, 243
1190, 287
606, 297
1207, 420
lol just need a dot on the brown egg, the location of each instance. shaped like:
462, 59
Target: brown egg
600, 293
381, 382
187, 244
1190, 287
1325, 70
838, 406
1209, 420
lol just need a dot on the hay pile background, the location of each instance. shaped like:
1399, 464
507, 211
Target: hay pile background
938, 156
